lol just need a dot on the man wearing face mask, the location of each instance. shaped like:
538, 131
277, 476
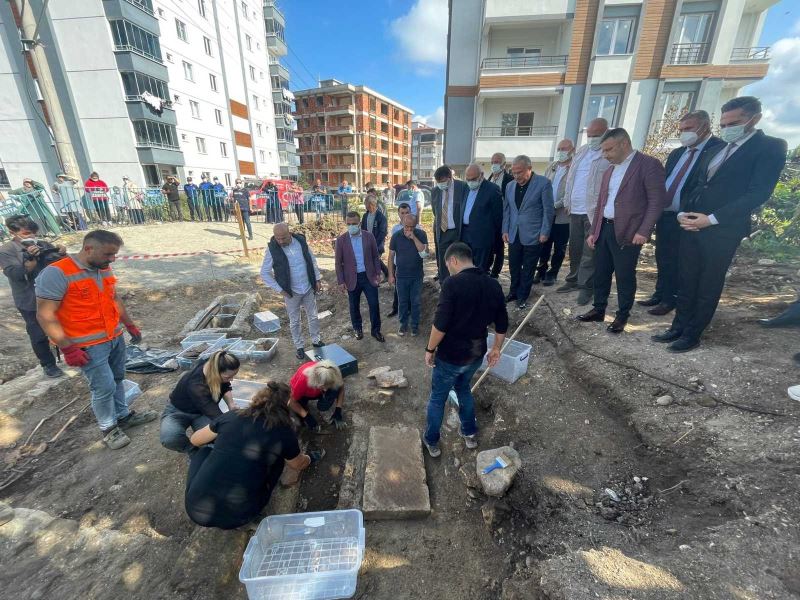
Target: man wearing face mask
501, 178
681, 168
483, 216
733, 181
580, 203
447, 202
559, 233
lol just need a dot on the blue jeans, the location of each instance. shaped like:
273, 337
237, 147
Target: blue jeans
446, 377
173, 428
371, 292
105, 372
409, 290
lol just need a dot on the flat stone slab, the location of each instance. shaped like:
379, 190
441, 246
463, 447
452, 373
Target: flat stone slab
496, 482
394, 476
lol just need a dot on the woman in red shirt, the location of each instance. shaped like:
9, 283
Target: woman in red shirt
98, 192
320, 381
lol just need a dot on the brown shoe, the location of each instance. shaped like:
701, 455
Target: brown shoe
592, 315
617, 325
661, 309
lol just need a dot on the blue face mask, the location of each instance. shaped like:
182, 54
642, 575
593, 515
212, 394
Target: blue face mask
353, 229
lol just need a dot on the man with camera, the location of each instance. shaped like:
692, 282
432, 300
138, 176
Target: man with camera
21, 260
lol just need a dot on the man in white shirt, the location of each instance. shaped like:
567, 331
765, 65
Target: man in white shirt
290, 268
559, 233
580, 202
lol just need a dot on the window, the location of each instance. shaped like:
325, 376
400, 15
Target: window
184, 137
201, 8
128, 37
321, 121
255, 101
274, 28
201, 145
4, 182
524, 57
372, 105
691, 41
305, 102
195, 107
262, 155
228, 179
218, 116
135, 84
252, 72
207, 46
169, 57
676, 104
212, 80
616, 36
244, 11
283, 156
223, 149
517, 124
320, 101
604, 105
188, 71
249, 41
180, 27
259, 130
154, 134
384, 109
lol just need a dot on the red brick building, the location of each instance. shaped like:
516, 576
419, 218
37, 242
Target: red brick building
352, 133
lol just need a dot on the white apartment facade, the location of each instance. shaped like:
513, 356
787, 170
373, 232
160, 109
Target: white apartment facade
427, 151
522, 75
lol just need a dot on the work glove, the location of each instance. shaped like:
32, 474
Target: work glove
316, 456
310, 422
75, 356
136, 334
338, 419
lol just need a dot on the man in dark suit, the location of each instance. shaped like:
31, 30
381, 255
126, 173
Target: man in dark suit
528, 211
682, 162
447, 202
375, 222
501, 178
732, 182
482, 216
632, 197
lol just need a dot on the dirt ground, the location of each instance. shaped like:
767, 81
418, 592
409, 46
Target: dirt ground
709, 483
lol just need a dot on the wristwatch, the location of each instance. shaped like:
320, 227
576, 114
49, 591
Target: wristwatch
429, 350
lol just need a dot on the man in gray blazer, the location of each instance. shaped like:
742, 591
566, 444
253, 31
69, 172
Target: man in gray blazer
528, 211
447, 202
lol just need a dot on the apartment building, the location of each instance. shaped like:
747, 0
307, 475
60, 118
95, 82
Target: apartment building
282, 98
521, 75
109, 74
350, 132
427, 145
216, 54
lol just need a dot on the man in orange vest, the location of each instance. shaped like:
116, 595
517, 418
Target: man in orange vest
78, 308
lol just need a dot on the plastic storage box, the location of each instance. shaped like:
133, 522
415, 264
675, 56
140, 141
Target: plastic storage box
513, 362
185, 362
132, 391
266, 322
223, 344
200, 336
307, 556
248, 350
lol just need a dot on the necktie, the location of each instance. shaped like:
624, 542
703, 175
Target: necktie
445, 208
713, 171
673, 188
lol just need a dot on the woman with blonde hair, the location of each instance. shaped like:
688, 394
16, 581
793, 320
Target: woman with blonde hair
320, 381
231, 482
195, 400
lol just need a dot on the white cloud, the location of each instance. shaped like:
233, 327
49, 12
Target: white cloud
421, 33
779, 91
436, 119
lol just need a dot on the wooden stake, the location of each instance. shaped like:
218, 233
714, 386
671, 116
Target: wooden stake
239, 220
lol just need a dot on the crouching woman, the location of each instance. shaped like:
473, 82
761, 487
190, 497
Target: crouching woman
230, 483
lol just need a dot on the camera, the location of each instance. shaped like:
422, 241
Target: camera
47, 255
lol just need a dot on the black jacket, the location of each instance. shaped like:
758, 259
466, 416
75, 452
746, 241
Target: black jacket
486, 218
380, 227
741, 184
242, 196
691, 180
459, 198
280, 264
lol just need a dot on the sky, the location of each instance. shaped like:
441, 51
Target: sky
399, 48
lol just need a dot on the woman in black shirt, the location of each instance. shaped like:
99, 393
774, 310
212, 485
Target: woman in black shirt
230, 483
195, 400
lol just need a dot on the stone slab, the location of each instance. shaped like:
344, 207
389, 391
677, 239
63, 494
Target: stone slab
496, 483
394, 476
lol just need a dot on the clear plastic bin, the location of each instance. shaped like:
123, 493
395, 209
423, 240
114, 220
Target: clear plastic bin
306, 556
200, 336
266, 321
223, 344
261, 356
242, 349
132, 391
513, 362
185, 362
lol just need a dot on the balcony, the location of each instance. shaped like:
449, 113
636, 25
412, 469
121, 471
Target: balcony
334, 129
134, 50
534, 63
342, 168
143, 5
517, 10
345, 109
341, 149
688, 54
758, 54
279, 70
538, 142
275, 45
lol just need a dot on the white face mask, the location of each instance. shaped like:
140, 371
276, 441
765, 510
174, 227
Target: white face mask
496, 168
733, 133
443, 185
688, 138
474, 185
594, 142
562, 155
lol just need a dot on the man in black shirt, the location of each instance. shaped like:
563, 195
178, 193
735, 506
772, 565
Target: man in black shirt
470, 300
170, 189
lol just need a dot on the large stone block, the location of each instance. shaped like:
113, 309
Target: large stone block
496, 483
394, 477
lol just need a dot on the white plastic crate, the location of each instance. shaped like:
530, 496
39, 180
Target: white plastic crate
267, 321
513, 362
306, 556
200, 336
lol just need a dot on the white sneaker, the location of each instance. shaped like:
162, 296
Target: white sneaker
794, 392
434, 451
470, 441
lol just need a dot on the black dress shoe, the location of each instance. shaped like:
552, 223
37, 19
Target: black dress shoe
537, 279
319, 344
510, 298
651, 301
359, 335
379, 336
391, 314
592, 315
549, 280
661, 310
300, 354
670, 335
683, 344
617, 325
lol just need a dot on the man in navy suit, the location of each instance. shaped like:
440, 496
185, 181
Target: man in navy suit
732, 181
447, 202
528, 211
482, 217
682, 162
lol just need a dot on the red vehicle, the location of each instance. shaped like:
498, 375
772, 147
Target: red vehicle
289, 193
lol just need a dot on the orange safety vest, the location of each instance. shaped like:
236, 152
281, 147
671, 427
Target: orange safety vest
88, 315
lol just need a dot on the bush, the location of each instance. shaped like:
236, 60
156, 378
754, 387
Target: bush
778, 223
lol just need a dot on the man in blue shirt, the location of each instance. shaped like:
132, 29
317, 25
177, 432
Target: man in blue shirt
407, 248
221, 209
344, 190
191, 191
207, 196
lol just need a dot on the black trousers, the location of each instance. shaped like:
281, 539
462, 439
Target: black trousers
498, 256
445, 240
557, 245
704, 258
481, 248
667, 242
39, 341
175, 210
522, 265
354, 298
620, 261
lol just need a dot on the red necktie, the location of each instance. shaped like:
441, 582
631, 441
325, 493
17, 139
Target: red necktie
673, 188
